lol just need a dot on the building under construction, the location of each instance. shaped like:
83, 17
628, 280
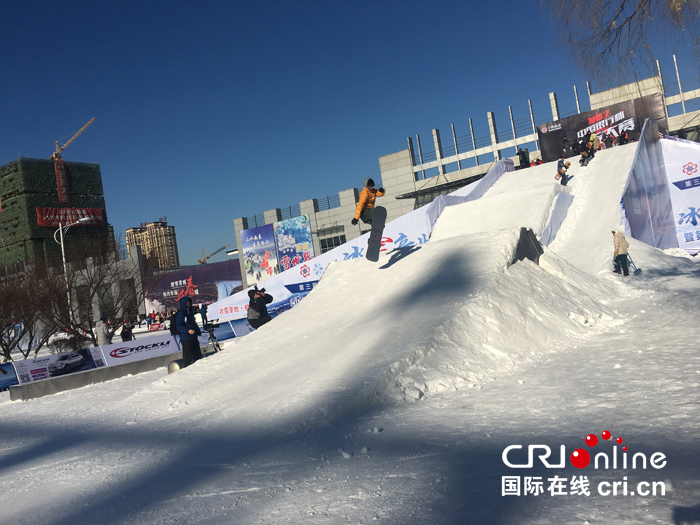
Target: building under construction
36, 197
158, 243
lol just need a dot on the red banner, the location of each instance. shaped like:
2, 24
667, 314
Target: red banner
52, 217
62, 182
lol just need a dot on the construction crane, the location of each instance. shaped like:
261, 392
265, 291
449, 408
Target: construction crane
204, 258
57, 155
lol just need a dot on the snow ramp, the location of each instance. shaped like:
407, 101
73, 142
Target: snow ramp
450, 314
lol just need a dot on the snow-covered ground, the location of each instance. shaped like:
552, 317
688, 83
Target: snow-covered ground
391, 392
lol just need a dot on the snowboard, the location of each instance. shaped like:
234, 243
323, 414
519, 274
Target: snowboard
375, 236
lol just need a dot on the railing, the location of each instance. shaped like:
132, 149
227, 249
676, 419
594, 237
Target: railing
326, 203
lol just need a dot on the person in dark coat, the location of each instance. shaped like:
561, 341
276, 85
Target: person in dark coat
622, 139
127, 333
189, 332
522, 159
568, 152
257, 308
608, 141
576, 148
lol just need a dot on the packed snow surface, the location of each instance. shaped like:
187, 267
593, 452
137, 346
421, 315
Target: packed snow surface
390, 393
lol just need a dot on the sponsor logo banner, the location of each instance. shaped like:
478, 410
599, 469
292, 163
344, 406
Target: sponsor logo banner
624, 117
138, 349
52, 217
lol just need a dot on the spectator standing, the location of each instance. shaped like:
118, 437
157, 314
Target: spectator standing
189, 332
104, 335
621, 245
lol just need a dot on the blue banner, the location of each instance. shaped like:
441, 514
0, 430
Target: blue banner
294, 242
8, 377
259, 253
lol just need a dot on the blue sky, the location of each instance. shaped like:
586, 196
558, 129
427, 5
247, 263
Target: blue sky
209, 111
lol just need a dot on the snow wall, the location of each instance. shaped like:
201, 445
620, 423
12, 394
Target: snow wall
412, 229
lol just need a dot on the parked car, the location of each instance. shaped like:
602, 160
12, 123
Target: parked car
66, 363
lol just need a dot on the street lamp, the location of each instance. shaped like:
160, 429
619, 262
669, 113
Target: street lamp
61, 230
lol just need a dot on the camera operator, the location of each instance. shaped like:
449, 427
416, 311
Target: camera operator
257, 307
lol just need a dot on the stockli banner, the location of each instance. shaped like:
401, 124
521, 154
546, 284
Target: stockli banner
53, 217
294, 244
57, 365
206, 284
259, 253
683, 174
612, 120
62, 181
138, 349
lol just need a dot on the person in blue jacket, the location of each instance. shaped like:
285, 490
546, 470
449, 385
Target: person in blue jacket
189, 332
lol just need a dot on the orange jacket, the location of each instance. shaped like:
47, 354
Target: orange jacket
367, 198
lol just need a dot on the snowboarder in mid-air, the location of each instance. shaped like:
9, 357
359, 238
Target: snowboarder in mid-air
365, 206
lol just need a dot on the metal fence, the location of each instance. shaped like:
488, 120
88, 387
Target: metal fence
326, 203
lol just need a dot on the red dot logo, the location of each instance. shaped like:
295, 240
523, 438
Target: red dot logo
619, 440
591, 440
606, 434
580, 458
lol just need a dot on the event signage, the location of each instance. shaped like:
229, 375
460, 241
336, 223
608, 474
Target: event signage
682, 161
62, 181
206, 284
52, 217
624, 117
259, 253
138, 349
56, 365
294, 242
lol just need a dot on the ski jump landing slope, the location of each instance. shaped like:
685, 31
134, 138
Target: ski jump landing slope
449, 314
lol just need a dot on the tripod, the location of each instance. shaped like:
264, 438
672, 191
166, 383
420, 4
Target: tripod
209, 328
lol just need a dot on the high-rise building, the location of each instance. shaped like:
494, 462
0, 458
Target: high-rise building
38, 195
158, 243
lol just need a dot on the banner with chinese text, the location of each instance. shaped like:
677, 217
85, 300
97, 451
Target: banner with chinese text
259, 253
294, 243
683, 173
206, 284
52, 217
612, 120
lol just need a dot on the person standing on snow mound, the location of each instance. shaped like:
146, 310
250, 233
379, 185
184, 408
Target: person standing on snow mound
365, 206
621, 246
257, 307
189, 332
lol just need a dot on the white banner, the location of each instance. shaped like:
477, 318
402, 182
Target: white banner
49, 366
682, 161
137, 349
